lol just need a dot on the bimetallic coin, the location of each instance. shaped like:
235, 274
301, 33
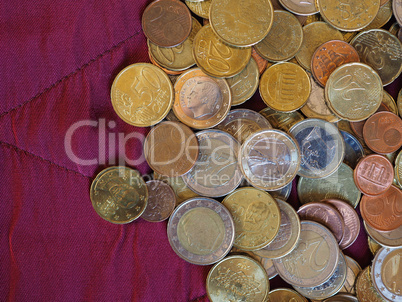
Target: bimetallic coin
179, 187
285, 87
200, 8
351, 220
382, 17
342, 298
330, 287
281, 120
353, 149
179, 57
386, 272
397, 10
241, 123
166, 23
200, 100
352, 15
365, 290
353, 270
329, 56
171, 149
283, 40
325, 214
241, 23
391, 239
119, 194
300, 7
256, 216
269, 159
161, 201
314, 35
383, 212
339, 185
216, 58
373, 174
142, 94
321, 146
288, 235
216, 172
201, 231
382, 132
285, 294
237, 278
382, 51
354, 91
244, 84
316, 106
314, 259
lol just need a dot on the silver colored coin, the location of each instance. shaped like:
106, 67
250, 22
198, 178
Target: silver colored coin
241, 123
216, 172
353, 149
386, 273
391, 239
288, 235
201, 231
269, 159
321, 146
282, 193
397, 10
382, 51
330, 287
339, 185
300, 268
300, 7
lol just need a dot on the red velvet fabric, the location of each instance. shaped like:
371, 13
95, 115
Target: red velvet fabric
58, 61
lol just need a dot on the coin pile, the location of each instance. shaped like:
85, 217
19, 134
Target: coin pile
320, 67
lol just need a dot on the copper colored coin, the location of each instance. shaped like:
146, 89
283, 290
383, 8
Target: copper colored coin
383, 212
171, 149
161, 201
357, 127
383, 132
329, 56
373, 174
351, 220
261, 62
325, 214
166, 23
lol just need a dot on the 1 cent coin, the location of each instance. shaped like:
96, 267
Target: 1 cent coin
166, 23
161, 201
373, 174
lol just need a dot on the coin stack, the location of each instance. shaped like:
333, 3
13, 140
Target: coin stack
222, 175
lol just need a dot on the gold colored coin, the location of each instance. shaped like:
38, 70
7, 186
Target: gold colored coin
119, 194
316, 106
237, 278
373, 245
241, 23
216, 58
399, 102
389, 102
351, 15
179, 187
398, 167
244, 84
353, 270
285, 87
285, 294
256, 216
315, 34
283, 40
365, 290
200, 8
354, 91
201, 101
281, 120
142, 94
394, 29
382, 17
179, 57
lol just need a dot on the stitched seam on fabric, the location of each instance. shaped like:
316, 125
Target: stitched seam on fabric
196, 299
16, 149
71, 74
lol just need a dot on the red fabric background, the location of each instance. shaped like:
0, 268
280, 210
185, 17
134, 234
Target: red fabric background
58, 61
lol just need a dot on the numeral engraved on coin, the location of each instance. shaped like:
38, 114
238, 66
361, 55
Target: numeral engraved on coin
346, 85
370, 55
218, 56
169, 54
164, 18
349, 12
313, 262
